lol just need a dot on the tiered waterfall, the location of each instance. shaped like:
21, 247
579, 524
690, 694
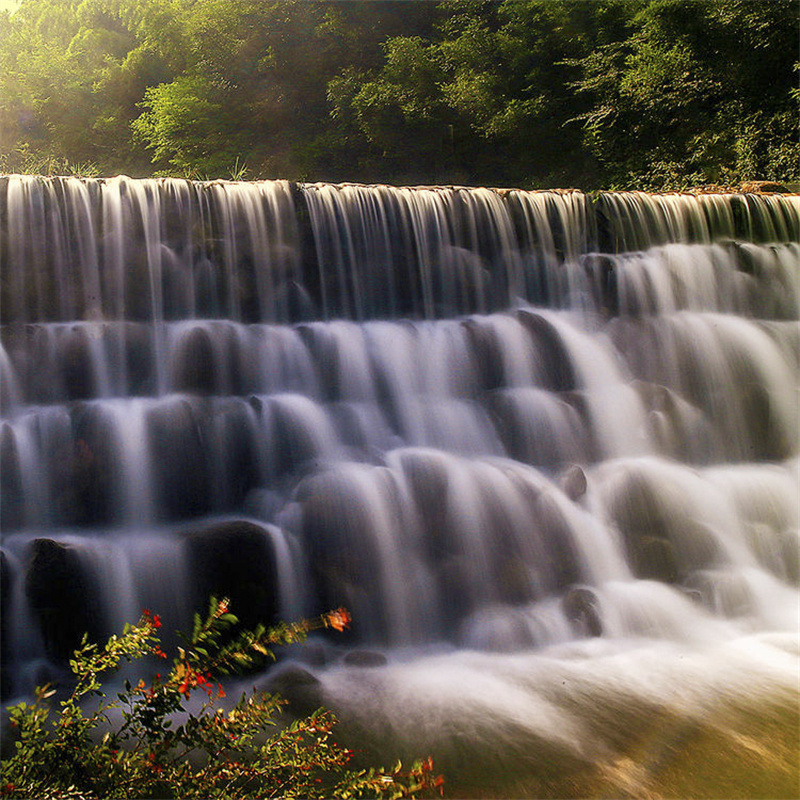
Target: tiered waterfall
485, 421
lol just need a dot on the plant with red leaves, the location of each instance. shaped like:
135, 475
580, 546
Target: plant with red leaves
161, 750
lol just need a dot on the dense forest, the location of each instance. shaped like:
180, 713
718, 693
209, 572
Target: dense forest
651, 94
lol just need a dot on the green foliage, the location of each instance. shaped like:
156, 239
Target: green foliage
184, 124
145, 744
647, 93
699, 91
23, 161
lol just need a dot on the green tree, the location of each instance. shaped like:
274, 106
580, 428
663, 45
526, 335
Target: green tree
71, 76
699, 91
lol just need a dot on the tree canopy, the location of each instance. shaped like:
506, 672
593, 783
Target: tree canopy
610, 93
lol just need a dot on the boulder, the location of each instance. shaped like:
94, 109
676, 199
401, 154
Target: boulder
235, 559
178, 439
296, 685
194, 368
582, 609
85, 490
573, 482
62, 596
554, 355
365, 658
663, 536
76, 365
655, 559
12, 496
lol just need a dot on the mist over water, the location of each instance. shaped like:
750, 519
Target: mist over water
543, 445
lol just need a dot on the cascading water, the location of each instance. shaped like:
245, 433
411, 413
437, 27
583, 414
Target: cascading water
544, 446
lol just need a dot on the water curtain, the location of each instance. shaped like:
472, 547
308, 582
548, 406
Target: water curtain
496, 419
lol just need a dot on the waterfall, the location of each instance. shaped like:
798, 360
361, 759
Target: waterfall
486, 421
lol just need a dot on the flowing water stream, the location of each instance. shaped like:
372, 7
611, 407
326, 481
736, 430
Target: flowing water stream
543, 445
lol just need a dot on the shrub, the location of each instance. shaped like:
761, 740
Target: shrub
159, 750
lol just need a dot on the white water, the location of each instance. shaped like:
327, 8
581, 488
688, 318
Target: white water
543, 447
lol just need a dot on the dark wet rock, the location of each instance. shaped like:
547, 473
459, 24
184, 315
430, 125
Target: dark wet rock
76, 365
603, 270
564, 568
324, 352
790, 549
486, 352
338, 529
62, 596
193, 363
295, 444
12, 497
237, 468
429, 482
365, 658
85, 486
178, 437
294, 303
6, 582
6, 590
582, 609
514, 581
205, 287
663, 537
551, 350
300, 688
655, 559
139, 355
235, 559
573, 482
727, 593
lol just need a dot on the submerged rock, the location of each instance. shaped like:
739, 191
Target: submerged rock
296, 685
365, 658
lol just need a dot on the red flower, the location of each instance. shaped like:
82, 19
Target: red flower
153, 619
339, 619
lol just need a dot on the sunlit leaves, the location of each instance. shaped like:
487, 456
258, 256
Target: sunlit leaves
157, 747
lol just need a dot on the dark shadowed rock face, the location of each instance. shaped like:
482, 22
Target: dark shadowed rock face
235, 559
62, 596
6, 589
177, 433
